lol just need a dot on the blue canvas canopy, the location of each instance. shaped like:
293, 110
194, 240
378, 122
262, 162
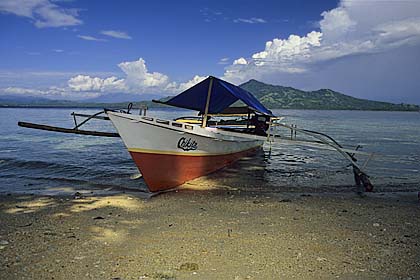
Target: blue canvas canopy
222, 95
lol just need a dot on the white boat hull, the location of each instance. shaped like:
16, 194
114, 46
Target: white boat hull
169, 153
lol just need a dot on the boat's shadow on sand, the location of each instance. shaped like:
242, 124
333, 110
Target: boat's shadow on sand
259, 173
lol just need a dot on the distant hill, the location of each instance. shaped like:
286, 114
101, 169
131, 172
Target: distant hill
272, 96
279, 97
21, 99
31, 101
48, 103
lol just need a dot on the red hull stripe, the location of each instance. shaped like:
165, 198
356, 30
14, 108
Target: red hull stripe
163, 171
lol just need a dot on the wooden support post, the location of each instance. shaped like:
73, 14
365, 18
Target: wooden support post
206, 109
269, 132
88, 119
142, 110
74, 118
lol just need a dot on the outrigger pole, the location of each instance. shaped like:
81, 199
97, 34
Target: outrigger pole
75, 129
67, 130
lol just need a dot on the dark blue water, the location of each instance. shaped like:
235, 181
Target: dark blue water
34, 161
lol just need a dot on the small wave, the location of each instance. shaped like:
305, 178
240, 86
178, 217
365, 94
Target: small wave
9, 151
45, 182
55, 179
31, 164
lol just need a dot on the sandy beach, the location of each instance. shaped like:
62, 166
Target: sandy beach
210, 234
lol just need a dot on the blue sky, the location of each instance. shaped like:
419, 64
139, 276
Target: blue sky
81, 49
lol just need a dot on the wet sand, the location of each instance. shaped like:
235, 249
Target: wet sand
211, 234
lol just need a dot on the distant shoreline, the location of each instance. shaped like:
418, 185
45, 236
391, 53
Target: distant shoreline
113, 106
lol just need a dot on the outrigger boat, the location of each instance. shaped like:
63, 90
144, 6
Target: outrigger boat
169, 153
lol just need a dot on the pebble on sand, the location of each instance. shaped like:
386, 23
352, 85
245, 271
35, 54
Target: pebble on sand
188, 267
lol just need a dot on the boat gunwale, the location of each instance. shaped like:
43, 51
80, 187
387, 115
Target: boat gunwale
246, 137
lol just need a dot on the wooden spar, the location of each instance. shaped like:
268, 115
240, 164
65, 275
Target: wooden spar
88, 119
67, 130
319, 145
206, 110
95, 117
332, 144
360, 176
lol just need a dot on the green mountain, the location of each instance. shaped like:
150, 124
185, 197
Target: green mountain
49, 103
272, 96
279, 97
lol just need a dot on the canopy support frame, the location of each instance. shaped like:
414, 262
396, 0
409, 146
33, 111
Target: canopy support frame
206, 109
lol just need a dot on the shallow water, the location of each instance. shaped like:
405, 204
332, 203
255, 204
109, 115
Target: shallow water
34, 161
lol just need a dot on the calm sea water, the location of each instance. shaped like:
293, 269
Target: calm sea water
34, 161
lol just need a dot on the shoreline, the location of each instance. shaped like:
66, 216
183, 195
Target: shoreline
112, 106
221, 185
210, 234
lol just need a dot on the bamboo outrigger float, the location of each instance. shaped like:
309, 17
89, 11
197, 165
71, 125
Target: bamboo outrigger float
171, 152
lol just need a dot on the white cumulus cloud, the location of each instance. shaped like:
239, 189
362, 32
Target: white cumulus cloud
22, 91
137, 80
336, 24
252, 20
50, 92
90, 38
190, 83
138, 77
240, 61
349, 29
223, 61
96, 84
43, 13
116, 34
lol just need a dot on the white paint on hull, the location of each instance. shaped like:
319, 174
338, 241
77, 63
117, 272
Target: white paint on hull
169, 137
